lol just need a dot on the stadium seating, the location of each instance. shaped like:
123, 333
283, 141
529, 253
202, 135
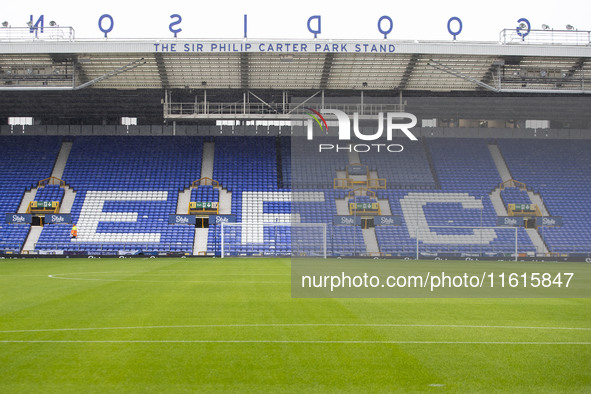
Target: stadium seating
25, 161
50, 193
514, 195
408, 169
466, 172
205, 193
560, 171
249, 167
126, 188
307, 169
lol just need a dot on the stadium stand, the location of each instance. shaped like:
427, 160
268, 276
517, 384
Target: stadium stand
514, 195
310, 170
466, 172
248, 166
560, 171
25, 161
127, 186
50, 193
205, 193
402, 171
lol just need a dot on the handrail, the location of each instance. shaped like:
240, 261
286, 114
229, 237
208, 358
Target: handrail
348, 183
51, 181
513, 183
205, 181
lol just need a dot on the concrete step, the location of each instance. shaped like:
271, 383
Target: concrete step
200, 243
536, 199
207, 160
62, 159
68, 200
371, 241
537, 240
32, 238
27, 198
225, 202
385, 207
342, 207
182, 205
497, 157
497, 202
354, 157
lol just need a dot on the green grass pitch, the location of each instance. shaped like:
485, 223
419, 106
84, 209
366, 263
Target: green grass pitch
231, 325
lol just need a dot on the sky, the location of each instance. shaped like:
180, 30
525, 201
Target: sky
282, 19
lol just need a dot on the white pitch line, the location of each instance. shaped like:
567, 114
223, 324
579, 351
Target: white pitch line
60, 276
229, 341
167, 273
295, 325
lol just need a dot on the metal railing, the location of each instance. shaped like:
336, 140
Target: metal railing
45, 33
548, 36
238, 109
570, 250
59, 248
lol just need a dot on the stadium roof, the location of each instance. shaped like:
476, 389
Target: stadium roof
510, 67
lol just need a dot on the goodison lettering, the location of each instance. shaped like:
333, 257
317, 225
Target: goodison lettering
314, 25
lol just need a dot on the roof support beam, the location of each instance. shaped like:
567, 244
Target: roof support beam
458, 74
162, 70
263, 101
113, 73
408, 71
81, 72
308, 99
244, 66
328, 58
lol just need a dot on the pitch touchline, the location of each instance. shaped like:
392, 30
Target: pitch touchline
55, 276
385, 325
305, 342
152, 273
